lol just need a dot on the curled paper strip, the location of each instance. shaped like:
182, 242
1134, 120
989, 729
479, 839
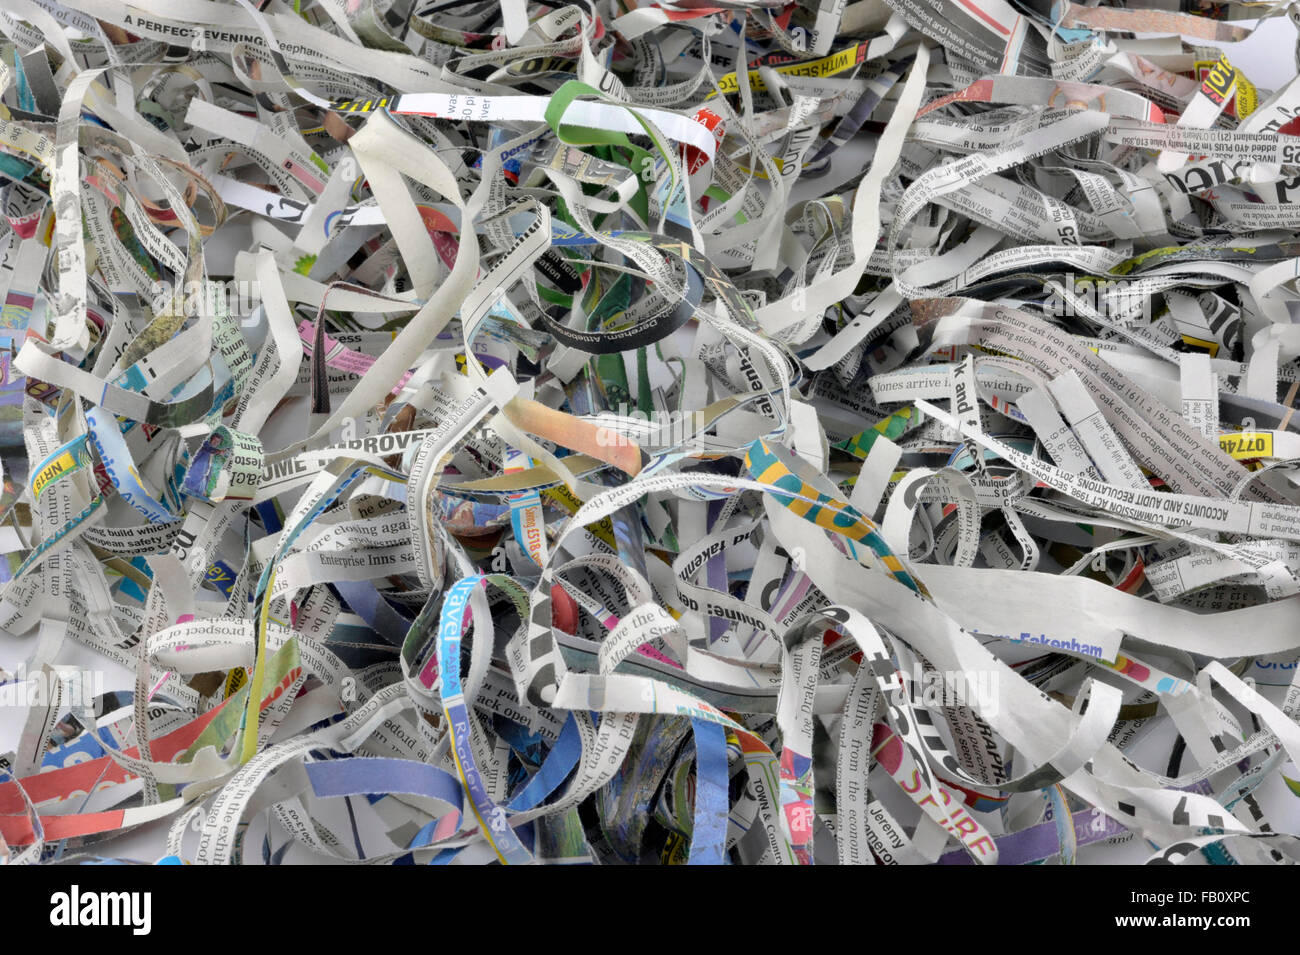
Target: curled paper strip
840, 432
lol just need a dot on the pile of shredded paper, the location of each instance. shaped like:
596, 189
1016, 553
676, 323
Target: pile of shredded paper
697, 432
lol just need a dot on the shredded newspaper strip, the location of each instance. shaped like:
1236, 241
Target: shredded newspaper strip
707, 433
